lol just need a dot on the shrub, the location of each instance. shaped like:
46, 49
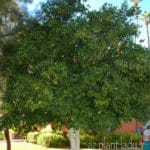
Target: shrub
2, 137
123, 138
32, 137
44, 139
86, 140
50, 139
58, 140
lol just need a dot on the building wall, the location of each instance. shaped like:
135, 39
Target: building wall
131, 127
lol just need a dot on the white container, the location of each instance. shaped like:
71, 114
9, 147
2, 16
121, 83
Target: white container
146, 133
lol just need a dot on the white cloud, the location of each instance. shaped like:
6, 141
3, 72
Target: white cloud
34, 5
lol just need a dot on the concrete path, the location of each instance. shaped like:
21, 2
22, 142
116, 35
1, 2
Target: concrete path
21, 145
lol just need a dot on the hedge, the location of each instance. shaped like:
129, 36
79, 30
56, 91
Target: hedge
86, 140
52, 140
32, 137
56, 139
48, 139
123, 137
2, 137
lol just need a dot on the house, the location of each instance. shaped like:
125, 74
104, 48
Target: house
131, 127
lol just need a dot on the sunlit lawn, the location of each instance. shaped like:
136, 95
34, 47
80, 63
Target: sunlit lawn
25, 146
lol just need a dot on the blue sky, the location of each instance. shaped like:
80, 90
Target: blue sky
96, 4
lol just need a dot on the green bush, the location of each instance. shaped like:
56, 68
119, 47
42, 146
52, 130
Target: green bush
44, 139
86, 140
32, 137
56, 139
50, 139
122, 138
2, 137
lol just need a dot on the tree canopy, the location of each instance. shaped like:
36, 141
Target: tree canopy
11, 13
77, 67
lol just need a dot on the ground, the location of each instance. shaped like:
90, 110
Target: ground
21, 145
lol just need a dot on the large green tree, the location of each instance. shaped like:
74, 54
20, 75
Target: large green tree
78, 67
11, 14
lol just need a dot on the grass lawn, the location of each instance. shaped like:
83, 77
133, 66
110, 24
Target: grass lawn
25, 146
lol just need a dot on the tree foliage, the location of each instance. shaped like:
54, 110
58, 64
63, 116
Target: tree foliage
11, 13
79, 69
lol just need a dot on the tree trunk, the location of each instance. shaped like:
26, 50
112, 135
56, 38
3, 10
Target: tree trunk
6, 132
137, 18
74, 137
148, 36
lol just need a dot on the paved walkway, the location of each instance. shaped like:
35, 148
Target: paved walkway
21, 145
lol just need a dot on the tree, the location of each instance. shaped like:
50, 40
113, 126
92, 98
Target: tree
136, 3
146, 19
10, 16
79, 70
137, 12
11, 13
